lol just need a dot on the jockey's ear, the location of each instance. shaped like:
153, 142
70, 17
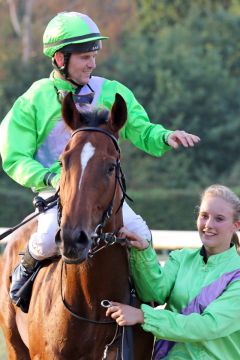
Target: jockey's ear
118, 114
71, 115
59, 58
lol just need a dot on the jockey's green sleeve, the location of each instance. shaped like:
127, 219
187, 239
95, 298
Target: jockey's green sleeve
212, 334
33, 135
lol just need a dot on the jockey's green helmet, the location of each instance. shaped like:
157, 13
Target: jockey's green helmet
71, 32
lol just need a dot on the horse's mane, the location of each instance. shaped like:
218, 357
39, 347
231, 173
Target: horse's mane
92, 116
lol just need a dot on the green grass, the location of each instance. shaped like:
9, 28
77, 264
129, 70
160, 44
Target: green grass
3, 354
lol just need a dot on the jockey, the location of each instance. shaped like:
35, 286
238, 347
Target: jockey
33, 134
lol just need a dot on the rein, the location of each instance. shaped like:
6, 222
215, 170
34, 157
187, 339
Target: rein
92, 321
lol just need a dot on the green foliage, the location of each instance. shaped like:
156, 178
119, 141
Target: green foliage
168, 209
24, 76
15, 204
187, 77
165, 209
155, 14
182, 61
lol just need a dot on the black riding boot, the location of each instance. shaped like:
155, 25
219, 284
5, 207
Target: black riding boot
19, 293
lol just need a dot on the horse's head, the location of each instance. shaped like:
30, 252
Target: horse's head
89, 181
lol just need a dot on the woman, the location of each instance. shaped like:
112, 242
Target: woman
201, 288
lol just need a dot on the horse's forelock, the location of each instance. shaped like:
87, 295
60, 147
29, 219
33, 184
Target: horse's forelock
94, 117
102, 116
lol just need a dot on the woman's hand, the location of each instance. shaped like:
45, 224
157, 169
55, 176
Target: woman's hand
125, 314
135, 240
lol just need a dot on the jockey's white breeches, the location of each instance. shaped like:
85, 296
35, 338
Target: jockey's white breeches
42, 243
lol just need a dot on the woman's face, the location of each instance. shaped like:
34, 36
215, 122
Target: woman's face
216, 224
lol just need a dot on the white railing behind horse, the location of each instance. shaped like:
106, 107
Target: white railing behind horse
166, 239
174, 239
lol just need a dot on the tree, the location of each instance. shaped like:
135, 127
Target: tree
187, 77
23, 26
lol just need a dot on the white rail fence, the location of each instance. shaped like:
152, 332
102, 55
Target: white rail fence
165, 240
173, 239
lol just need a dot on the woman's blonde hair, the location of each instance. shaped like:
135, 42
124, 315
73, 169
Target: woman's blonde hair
228, 195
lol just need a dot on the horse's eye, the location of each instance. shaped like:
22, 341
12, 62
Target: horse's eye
110, 169
60, 162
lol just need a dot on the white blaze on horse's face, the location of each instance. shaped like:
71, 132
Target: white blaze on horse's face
86, 154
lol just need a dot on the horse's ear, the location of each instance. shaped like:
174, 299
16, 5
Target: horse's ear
118, 114
70, 113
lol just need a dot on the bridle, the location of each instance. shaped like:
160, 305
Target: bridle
99, 236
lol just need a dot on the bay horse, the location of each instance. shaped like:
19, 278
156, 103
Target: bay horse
66, 319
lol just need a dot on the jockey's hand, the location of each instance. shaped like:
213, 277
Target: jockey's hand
135, 240
125, 314
180, 137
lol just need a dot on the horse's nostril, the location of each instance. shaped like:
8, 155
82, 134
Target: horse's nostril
73, 244
70, 236
58, 237
83, 238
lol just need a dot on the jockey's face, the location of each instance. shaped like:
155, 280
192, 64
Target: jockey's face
80, 65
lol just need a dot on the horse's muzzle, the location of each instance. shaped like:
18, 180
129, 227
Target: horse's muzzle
74, 245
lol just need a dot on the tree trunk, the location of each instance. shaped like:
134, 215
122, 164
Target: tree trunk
27, 32
23, 28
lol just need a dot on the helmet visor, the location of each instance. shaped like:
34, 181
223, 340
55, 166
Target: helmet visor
82, 47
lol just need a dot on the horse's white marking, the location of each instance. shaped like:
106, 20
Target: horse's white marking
86, 154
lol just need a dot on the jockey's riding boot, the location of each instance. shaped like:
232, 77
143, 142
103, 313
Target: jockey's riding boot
21, 274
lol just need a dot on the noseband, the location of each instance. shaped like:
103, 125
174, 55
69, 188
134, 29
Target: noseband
98, 235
